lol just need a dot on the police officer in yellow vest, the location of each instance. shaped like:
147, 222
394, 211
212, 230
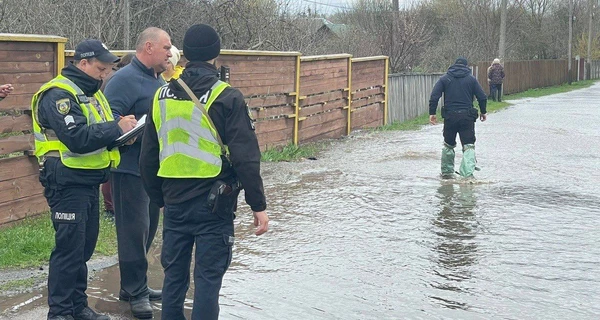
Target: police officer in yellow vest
194, 166
73, 126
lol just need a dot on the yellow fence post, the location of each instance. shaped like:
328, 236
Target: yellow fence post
296, 121
349, 96
385, 98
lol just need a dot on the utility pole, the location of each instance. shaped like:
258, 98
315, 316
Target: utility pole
126, 24
588, 63
570, 38
502, 44
396, 9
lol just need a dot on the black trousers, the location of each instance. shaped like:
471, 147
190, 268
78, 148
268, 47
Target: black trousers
74, 213
496, 92
136, 219
461, 122
186, 225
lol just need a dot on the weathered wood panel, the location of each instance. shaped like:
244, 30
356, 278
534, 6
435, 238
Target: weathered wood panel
15, 123
19, 209
322, 107
409, 95
19, 188
17, 167
368, 117
16, 144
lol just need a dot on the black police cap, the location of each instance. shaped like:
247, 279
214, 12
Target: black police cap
92, 48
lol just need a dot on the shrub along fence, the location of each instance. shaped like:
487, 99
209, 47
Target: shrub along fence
293, 98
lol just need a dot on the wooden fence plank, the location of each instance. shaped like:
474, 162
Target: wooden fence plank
19, 67
26, 46
12, 56
15, 78
15, 123
21, 208
320, 108
17, 167
20, 188
16, 143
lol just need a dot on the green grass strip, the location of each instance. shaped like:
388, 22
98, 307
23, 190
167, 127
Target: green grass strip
28, 243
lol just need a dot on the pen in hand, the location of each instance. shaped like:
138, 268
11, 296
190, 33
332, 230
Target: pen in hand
127, 123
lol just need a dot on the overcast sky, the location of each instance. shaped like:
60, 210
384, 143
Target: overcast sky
331, 6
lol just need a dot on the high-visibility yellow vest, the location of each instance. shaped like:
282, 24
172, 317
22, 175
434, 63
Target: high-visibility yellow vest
187, 143
46, 142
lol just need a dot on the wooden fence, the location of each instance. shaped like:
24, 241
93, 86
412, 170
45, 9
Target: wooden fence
409, 95
294, 99
524, 75
26, 61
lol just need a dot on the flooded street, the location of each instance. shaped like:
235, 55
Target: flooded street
369, 231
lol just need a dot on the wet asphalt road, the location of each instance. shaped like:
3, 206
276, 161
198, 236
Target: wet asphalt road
369, 231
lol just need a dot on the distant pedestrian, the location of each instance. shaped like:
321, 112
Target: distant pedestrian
495, 75
459, 87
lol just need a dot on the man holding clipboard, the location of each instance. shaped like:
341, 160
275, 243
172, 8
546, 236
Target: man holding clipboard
73, 128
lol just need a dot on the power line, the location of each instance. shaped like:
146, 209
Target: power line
328, 4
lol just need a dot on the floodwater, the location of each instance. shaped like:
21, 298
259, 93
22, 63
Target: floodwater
369, 231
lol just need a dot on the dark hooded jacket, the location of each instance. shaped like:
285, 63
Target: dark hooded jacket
232, 120
459, 87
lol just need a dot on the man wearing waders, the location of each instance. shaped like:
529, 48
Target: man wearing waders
458, 86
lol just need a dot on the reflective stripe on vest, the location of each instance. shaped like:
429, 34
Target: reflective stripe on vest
47, 142
187, 143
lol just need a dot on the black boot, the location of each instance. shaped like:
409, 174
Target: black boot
154, 295
141, 308
88, 314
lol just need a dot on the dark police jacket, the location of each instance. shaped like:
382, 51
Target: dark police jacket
72, 130
130, 91
459, 87
232, 120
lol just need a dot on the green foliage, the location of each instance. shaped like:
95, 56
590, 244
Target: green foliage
291, 152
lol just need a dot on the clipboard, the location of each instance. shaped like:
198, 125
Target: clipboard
136, 131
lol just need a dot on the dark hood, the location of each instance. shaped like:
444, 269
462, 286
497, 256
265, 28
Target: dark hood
459, 71
199, 76
86, 83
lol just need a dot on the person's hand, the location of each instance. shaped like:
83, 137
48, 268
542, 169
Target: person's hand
433, 119
483, 117
261, 222
130, 141
127, 123
5, 90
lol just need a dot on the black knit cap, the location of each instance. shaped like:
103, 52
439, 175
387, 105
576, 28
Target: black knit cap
461, 60
201, 43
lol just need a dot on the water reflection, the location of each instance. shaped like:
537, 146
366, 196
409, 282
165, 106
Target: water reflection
455, 250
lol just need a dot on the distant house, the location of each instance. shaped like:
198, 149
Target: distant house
323, 30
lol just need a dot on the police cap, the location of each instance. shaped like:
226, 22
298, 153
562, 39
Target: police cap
92, 48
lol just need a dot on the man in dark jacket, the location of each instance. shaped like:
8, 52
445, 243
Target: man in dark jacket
459, 87
195, 172
73, 127
130, 92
